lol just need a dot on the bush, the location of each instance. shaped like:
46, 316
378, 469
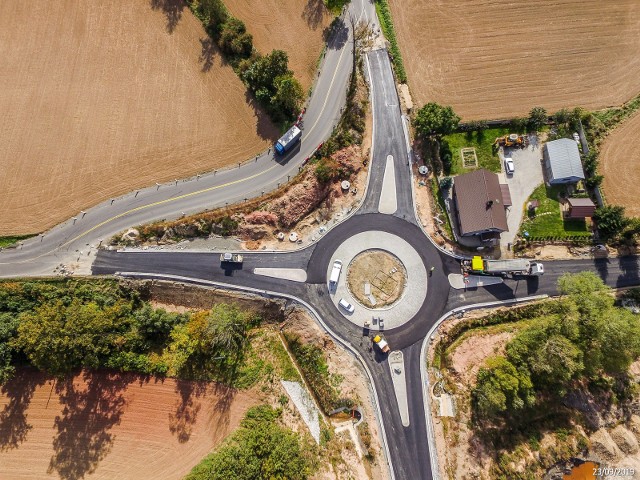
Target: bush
261, 449
537, 118
610, 220
386, 23
234, 39
446, 183
435, 120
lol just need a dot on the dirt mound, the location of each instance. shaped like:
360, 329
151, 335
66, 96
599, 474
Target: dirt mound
119, 96
105, 425
619, 154
497, 59
295, 26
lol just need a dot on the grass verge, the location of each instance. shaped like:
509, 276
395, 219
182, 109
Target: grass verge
386, 23
438, 198
10, 241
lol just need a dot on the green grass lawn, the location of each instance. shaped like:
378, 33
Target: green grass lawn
548, 221
481, 140
8, 241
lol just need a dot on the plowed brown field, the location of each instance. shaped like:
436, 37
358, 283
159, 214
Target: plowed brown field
107, 426
497, 58
620, 165
99, 98
294, 26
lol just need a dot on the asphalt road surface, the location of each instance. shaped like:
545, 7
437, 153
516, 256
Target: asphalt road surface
408, 446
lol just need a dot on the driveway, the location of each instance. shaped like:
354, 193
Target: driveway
525, 179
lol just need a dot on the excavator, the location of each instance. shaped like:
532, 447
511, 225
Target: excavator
512, 140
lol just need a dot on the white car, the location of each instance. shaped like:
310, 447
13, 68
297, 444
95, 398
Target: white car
346, 305
509, 167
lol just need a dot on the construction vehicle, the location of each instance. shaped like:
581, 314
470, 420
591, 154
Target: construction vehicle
516, 266
381, 343
230, 258
288, 140
512, 140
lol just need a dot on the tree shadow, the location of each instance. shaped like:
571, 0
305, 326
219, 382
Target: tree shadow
13, 418
313, 13
89, 412
265, 128
337, 34
208, 52
181, 422
172, 10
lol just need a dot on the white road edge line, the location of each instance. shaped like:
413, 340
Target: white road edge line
310, 309
426, 395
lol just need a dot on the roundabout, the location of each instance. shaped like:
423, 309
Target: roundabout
388, 280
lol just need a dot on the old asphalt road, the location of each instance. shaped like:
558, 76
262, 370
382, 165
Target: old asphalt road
87, 230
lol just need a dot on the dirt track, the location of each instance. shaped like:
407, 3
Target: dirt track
620, 165
103, 426
98, 101
294, 26
498, 58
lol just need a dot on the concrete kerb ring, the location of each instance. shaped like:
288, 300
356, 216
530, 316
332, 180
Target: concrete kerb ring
311, 310
426, 395
414, 296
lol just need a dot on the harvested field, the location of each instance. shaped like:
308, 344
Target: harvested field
99, 99
106, 426
620, 165
498, 58
294, 26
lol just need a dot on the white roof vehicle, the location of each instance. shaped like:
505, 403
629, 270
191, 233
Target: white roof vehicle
346, 305
509, 167
335, 272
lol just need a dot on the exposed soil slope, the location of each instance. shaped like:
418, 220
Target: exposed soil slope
499, 58
620, 165
99, 99
106, 426
294, 26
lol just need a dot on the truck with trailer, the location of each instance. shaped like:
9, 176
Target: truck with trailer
230, 258
515, 266
288, 140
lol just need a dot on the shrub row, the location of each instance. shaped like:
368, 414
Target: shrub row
386, 22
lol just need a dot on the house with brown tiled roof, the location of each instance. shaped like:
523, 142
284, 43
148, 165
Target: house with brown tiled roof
480, 203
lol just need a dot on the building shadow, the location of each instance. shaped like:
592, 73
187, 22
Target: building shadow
19, 390
313, 13
172, 10
90, 411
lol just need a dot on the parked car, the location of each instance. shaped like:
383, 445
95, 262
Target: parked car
346, 305
509, 167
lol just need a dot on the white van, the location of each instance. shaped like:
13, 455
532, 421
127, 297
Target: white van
335, 273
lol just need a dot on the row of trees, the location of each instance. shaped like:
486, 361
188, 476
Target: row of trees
268, 77
589, 340
58, 327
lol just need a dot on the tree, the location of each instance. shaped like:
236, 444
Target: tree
8, 330
551, 357
561, 117
226, 330
57, 338
289, 95
501, 388
610, 220
234, 39
213, 13
620, 341
594, 181
537, 118
264, 71
155, 325
435, 120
